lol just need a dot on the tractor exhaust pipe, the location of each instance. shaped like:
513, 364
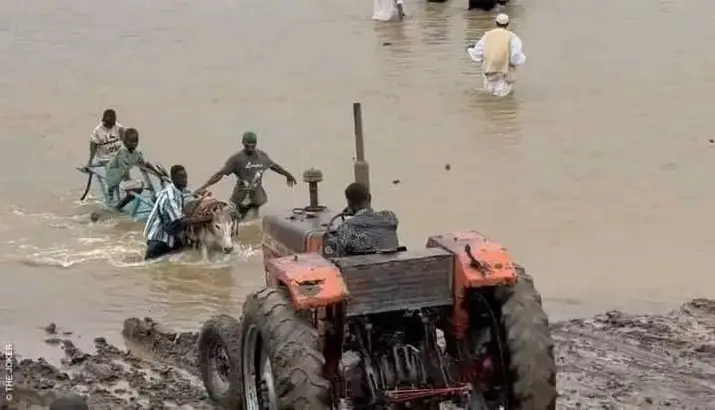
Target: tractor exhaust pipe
362, 169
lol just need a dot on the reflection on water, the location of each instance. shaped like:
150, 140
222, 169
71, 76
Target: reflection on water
190, 292
501, 114
434, 25
395, 44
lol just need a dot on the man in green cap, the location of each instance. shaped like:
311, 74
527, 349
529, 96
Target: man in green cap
248, 165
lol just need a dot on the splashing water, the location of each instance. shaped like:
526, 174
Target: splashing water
115, 240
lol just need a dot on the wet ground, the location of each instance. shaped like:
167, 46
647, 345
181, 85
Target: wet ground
611, 361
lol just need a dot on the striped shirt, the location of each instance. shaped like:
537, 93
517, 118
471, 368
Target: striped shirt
168, 208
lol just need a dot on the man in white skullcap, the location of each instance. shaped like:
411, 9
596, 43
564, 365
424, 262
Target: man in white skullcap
499, 51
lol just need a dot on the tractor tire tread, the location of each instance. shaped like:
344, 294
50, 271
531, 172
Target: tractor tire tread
293, 347
531, 347
226, 330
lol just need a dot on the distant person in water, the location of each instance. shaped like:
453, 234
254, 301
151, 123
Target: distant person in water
105, 140
486, 5
388, 10
499, 52
118, 168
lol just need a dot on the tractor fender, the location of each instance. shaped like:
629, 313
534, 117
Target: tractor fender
310, 280
478, 263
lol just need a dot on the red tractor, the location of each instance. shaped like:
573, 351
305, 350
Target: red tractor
456, 323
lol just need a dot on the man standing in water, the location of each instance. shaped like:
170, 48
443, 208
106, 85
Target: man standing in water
388, 10
248, 165
499, 51
167, 221
106, 139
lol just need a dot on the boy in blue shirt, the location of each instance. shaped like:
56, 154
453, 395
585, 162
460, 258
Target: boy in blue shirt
128, 157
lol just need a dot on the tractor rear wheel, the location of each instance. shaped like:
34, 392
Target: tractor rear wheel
282, 360
532, 368
220, 360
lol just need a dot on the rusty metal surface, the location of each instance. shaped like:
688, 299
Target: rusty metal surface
291, 229
404, 280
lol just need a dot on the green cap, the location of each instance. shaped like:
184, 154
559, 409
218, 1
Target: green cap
249, 137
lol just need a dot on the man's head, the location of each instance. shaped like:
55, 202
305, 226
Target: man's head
109, 118
502, 20
131, 139
179, 177
358, 196
249, 141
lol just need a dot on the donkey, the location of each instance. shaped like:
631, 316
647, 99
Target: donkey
216, 235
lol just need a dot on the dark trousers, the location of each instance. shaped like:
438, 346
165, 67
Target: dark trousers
157, 249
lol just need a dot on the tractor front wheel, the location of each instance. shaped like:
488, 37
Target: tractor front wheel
282, 364
220, 361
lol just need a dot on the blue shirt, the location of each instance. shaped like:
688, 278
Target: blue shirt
119, 166
168, 208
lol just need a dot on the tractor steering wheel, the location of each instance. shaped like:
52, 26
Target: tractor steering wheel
330, 231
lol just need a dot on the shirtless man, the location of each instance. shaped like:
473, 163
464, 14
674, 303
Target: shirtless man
248, 165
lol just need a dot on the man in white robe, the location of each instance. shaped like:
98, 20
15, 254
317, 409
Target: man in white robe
388, 10
499, 52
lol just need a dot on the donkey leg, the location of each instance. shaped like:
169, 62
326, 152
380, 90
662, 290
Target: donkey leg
204, 252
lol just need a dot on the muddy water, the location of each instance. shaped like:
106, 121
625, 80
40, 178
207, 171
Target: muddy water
595, 173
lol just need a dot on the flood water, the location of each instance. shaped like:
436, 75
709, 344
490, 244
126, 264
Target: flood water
595, 173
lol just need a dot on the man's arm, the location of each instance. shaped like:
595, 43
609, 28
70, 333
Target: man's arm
93, 144
148, 165
516, 54
476, 52
280, 170
348, 241
227, 169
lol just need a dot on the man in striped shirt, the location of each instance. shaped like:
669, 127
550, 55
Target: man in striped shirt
166, 220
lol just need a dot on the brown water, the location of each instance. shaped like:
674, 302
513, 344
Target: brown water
595, 173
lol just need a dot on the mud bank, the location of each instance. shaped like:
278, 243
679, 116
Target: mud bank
611, 361
618, 361
110, 378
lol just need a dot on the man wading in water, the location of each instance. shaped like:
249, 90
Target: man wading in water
106, 139
499, 51
167, 221
248, 165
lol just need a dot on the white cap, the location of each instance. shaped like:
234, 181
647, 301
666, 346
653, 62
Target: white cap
502, 19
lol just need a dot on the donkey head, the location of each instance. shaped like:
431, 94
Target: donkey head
219, 233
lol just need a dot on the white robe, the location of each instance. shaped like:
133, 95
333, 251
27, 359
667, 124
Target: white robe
499, 84
386, 10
